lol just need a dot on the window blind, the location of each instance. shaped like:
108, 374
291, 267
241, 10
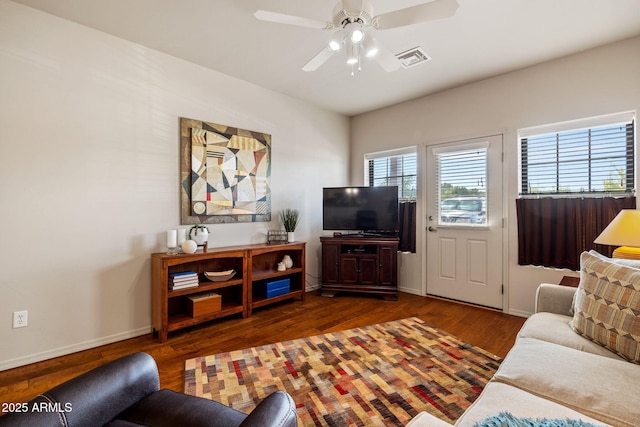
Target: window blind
400, 170
595, 160
462, 186
462, 173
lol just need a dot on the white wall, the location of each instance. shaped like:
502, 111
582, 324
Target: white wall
89, 175
595, 82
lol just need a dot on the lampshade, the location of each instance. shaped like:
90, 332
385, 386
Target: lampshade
624, 230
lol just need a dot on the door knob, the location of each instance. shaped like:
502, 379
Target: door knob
433, 230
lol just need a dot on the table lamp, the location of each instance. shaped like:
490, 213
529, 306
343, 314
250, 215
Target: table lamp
623, 231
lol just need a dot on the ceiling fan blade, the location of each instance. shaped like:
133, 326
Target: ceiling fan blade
318, 60
384, 57
437, 9
281, 18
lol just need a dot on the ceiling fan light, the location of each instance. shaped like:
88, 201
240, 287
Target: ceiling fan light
370, 48
337, 39
357, 35
355, 32
371, 52
334, 46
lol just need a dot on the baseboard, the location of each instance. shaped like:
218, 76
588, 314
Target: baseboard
311, 288
63, 351
410, 291
520, 313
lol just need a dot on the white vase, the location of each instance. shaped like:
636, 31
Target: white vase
287, 261
291, 237
200, 236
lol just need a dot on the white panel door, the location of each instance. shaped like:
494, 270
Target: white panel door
464, 221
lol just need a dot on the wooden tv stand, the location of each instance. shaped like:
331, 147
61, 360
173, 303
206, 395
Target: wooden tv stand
360, 264
255, 265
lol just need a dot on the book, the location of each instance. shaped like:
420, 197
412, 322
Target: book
189, 280
180, 282
186, 286
182, 278
183, 274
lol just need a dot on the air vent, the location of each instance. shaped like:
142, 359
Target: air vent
413, 57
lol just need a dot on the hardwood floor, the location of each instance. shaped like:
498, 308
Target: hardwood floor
489, 329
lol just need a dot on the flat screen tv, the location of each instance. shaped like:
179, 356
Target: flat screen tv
360, 209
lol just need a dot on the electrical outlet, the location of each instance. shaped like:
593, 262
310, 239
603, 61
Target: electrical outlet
20, 319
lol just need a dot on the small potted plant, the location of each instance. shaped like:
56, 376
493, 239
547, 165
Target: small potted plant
290, 218
199, 233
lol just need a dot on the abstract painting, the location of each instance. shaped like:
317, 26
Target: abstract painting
225, 173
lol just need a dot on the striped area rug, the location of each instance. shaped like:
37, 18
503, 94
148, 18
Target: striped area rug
379, 375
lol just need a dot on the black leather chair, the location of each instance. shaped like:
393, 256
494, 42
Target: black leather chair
126, 392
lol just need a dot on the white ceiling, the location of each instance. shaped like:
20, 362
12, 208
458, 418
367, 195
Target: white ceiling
483, 39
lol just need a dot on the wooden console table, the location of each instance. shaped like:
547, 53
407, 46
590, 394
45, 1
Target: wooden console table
255, 265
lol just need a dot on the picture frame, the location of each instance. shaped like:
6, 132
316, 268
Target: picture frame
225, 174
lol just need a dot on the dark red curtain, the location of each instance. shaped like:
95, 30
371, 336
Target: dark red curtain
553, 232
407, 227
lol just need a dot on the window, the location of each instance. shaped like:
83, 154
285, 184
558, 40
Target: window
398, 167
462, 192
395, 169
590, 159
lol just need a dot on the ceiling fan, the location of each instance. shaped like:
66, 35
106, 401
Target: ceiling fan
353, 24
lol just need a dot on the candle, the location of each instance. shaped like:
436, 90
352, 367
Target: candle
172, 238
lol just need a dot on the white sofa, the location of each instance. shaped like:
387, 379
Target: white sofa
553, 373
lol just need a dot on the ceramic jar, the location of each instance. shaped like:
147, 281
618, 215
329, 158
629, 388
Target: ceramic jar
189, 246
287, 261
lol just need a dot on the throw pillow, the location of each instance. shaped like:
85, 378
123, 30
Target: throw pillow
607, 304
622, 261
505, 419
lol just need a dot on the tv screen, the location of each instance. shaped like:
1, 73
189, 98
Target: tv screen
369, 209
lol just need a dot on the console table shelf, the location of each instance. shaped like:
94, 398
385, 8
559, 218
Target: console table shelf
259, 301
180, 321
204, 286
262, 267
270, 274
254, 265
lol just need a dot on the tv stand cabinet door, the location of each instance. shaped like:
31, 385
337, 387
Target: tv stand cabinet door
388, 257
368, 271
330, 263
349, 270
